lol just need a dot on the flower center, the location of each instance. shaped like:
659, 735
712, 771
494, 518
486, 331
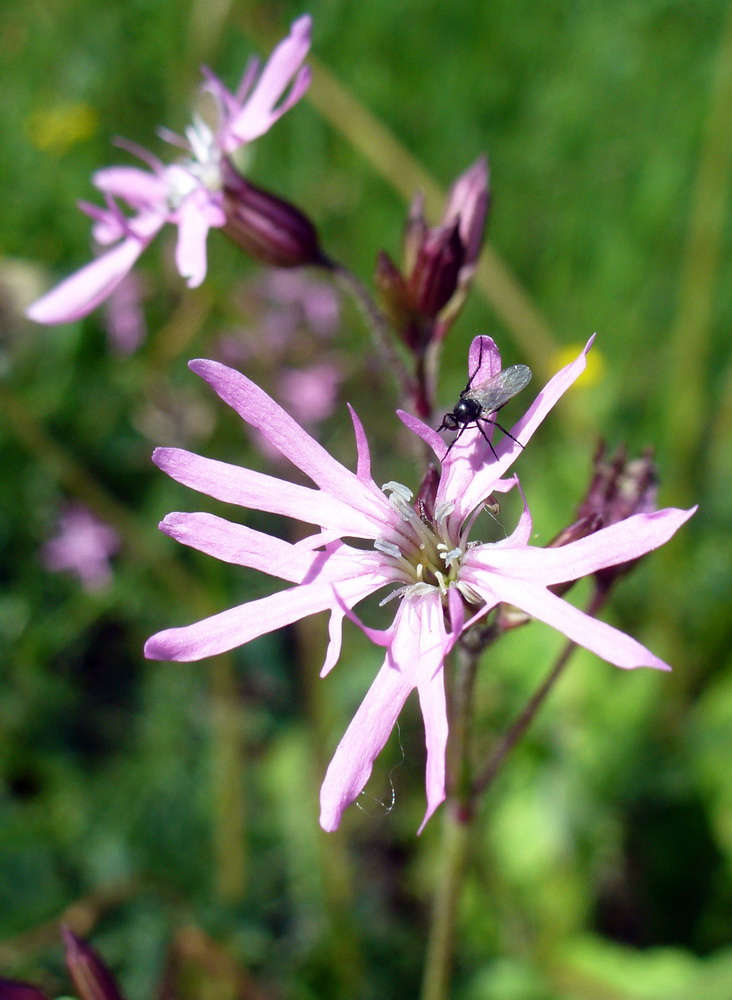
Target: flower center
201, 169
420, 548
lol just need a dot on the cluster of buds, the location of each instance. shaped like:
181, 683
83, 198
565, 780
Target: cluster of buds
619, 488
423, 300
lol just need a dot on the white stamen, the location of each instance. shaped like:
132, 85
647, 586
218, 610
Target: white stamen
398, 488
468, 593
454, 555
388, 548
443, 510
399, 592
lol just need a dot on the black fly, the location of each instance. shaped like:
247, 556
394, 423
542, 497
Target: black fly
478, 402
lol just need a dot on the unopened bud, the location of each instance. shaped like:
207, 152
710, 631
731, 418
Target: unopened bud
91, 977
13, 989
270, 229
434, 278
440, 261
618, 490
415, 232
468, 203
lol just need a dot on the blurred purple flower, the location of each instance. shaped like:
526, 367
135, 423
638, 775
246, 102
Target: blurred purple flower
83, 546
186, 194
311, 393
443, 582
124, 316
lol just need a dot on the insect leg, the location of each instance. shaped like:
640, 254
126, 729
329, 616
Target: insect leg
470, 380
502, 428
457, 436
487, 439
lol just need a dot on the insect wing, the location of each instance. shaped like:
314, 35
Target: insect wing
495, 392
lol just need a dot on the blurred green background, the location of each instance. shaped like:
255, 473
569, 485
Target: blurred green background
169, 812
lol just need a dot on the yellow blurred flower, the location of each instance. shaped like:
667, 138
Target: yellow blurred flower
55, 129
593, 374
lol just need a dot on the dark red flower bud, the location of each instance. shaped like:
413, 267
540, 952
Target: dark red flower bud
618, 490
439, 261
91, 977
434, 278
270, 229
468, 203
13, 989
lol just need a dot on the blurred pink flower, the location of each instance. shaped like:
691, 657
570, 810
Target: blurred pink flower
186, 194
311, 393
124, 316
443, 582
83, 546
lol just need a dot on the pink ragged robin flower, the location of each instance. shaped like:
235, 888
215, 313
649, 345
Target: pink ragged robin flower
442, 582
83, 546
187, 194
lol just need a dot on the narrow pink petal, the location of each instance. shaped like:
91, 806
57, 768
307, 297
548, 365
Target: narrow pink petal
139, 188
335, 640
239, 625
484, 359
190, 248
600, 638
456, 609
227, 102
83, 291
434, 712
431, 688
611, 546
414, 659
259, 111
521, 534
352, 587
251, 71
237, 544
544, 402
422, 430
255, 490
363, 741
363, 465
260, 411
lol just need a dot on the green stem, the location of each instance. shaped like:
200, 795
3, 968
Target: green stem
455, 832
380, 331
515, 732
441, 942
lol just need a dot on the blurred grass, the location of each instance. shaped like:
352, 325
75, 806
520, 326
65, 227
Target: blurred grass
170, 810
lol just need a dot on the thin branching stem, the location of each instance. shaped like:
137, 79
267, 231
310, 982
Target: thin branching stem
512, 736
380, 330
